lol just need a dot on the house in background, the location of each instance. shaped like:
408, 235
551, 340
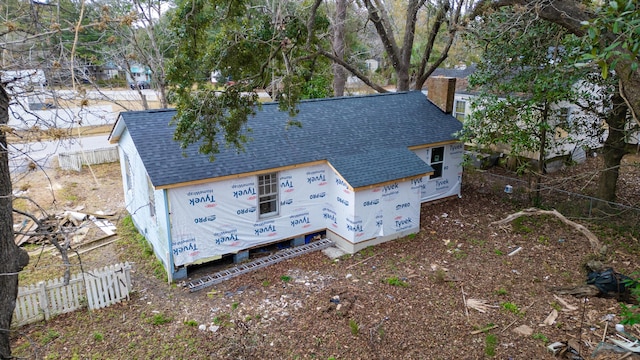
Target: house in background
560, 149
138, 73
356, 171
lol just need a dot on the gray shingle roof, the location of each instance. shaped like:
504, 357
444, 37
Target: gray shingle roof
379, 166
455, 73
364, 137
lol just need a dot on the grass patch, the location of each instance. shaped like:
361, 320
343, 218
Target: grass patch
70, 192
285, 278
520, 226
141, 250
490, 344
49, 337
368, 251
501, 291
541, 337
355, 328
223, 320
21, 204
191, 323
160, 319
511, 307
477, 242
543, 240
459, 254
395, 281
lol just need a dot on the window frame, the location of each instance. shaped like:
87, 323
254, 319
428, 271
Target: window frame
457, 112
563, 123
436, 164
268, 193
128, 173
152, 199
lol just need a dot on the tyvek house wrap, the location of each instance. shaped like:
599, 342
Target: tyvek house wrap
222, 217
449, 184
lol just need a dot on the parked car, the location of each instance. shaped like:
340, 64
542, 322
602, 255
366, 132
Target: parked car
140, 84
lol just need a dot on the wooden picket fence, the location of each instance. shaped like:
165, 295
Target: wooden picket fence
75, 160
95, 289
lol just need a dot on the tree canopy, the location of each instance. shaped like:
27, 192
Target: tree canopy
526, 73
287, 48
610, 27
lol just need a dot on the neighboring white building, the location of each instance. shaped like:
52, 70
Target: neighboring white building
372, 65
46, 109
559, 147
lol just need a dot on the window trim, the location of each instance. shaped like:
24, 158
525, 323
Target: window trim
438, 169
152, 199
464, 109
128, 173
268, 192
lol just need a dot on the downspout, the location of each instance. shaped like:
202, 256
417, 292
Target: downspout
170, 266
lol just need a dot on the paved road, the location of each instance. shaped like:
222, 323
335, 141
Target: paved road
43, 153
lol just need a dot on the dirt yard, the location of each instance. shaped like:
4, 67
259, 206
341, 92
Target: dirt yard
450, 292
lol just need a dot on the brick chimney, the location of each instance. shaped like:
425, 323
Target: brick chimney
441, 91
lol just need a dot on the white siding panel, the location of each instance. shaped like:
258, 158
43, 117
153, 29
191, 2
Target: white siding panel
137, 199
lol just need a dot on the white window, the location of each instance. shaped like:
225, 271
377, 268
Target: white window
268, 194
127, 171
152, 199
460, 109
564, 116
563, 123
437, 160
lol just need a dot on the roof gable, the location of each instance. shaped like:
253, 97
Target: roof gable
345, 130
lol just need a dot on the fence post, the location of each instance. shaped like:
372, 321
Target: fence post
44, 300
127, 273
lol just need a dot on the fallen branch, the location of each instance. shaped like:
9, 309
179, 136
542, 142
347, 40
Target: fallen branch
479, 305
476, 332
567, 306
464, 301
593, 240
362, 261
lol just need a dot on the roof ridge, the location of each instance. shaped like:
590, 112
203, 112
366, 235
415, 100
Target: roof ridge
272, 103
349, 97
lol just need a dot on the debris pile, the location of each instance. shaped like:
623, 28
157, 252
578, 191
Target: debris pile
71, 228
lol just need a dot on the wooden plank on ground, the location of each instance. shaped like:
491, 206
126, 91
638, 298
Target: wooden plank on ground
22, 238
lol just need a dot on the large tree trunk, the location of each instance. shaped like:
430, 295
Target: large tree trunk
12, 258
614, 149
400, 56
339, 73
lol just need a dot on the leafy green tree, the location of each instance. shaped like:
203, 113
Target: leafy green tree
610, 27
524, 75
254, 44
285, 46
